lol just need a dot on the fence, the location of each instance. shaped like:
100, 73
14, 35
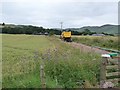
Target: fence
42, 77
110, 70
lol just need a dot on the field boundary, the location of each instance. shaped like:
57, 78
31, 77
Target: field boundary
86, 48
110, 71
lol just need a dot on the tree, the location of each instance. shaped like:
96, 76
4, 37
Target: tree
3, 24
51, 33
86, 32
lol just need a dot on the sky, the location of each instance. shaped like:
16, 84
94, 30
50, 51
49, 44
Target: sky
49, 13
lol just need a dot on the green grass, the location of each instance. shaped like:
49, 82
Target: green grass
64, 65
109, 42
0, 61
20, 57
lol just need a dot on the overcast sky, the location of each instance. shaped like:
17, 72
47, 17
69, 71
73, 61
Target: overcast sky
48, 13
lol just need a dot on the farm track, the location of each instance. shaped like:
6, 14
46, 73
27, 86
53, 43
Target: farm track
89, 49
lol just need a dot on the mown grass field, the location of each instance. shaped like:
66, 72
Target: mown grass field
64, 65
109, 42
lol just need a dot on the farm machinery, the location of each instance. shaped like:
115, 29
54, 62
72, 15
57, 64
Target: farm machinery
66, 36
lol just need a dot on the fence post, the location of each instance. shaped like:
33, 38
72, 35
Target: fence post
103, 69
42, 77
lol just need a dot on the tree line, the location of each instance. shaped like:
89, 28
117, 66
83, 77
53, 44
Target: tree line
32, 30
27, 30
23, 29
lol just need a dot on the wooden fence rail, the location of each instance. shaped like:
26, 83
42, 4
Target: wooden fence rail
110, 71
42, 77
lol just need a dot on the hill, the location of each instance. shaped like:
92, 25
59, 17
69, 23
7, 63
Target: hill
107, 28
110, 29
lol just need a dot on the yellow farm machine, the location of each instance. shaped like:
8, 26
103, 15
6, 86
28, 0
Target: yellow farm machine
66, 36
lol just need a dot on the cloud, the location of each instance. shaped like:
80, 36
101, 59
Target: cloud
49, 14
59, 1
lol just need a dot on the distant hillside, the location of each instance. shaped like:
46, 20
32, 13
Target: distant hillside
110, 29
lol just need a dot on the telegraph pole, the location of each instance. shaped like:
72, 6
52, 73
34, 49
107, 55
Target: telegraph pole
61, 23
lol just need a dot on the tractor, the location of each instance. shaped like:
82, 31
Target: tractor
66, 36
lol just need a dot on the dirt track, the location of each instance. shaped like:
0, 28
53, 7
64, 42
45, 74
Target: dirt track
86, 48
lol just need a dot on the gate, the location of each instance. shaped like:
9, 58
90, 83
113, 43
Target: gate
110, 71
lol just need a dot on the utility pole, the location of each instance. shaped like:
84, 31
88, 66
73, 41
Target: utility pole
61, 23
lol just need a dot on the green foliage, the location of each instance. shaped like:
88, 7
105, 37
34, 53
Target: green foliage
101, 41
71, 68
107, 29
27, 30
89, 30
64, 65
3, 24
51, 33
86, 32
22, 29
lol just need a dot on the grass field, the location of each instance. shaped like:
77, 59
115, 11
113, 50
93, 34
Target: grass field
0, 61
109, 42
64, 65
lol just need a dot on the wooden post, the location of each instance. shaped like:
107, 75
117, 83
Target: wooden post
103, 69
42, 77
